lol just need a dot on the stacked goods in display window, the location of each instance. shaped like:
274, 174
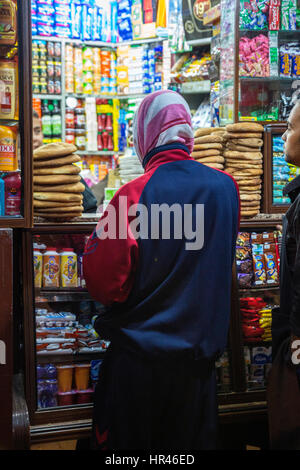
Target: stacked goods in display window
107, 21
90, 70
258, 267
46, 67
14, 162
92, 124
139, 69
265, 51
68, 352
49, 112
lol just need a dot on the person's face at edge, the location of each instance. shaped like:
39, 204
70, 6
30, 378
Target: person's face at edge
291, 137
37, 133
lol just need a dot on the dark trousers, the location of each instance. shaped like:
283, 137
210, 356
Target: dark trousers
147, 404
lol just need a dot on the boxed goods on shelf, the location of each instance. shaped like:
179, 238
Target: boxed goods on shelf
66, 384
256, 318
90, 70
191, 67
258, 257
258, 362
46, 67
139, 69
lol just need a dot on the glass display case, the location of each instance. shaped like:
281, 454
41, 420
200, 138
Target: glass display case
65, 351
15, 129
258, 266
261, 53
277, 172
227, 62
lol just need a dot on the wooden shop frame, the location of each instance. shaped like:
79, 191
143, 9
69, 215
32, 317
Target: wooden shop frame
25, 116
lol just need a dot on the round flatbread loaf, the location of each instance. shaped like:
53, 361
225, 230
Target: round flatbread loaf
59, 170
248, 142
52, 210
243, 135
217, 166
205, 153
216, 139
57, 161
247, 181
245, 165
247, 172
243, 160
61, 188
57, 149
241, 148
61, 217
250, 197
251, 188
208, 146
60, 197
249, 213
38, 205
211, 159
241, 155
56, 179
246, 204
245, 127
203, 131
218, 130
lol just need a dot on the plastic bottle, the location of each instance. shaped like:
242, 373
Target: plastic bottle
51, 268
68, 268
46, 119
56, 120
13, 194
38, 266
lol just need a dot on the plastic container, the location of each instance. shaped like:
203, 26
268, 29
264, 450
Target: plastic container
85, 396
12, 194
66, 398
68, 268
70, 136
80, 139
82, 376
8, 149
65, 378
51, 268
38, 267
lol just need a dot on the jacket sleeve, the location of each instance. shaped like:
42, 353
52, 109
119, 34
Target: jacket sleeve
110, 257
295, 313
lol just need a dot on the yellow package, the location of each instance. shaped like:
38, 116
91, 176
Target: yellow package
8, 149
8, 22
7, 89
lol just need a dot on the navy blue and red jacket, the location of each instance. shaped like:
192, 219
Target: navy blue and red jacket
162, 299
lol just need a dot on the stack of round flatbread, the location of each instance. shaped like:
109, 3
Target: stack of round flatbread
57, 192
244, 161
209, 146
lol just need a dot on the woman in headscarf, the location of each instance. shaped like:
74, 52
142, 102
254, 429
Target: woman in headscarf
161, 260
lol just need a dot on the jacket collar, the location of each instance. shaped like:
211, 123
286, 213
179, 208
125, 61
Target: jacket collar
292, 189
165, 154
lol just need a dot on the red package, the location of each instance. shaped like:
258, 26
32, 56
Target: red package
274, 15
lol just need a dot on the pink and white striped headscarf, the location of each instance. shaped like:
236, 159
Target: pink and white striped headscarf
162, 118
